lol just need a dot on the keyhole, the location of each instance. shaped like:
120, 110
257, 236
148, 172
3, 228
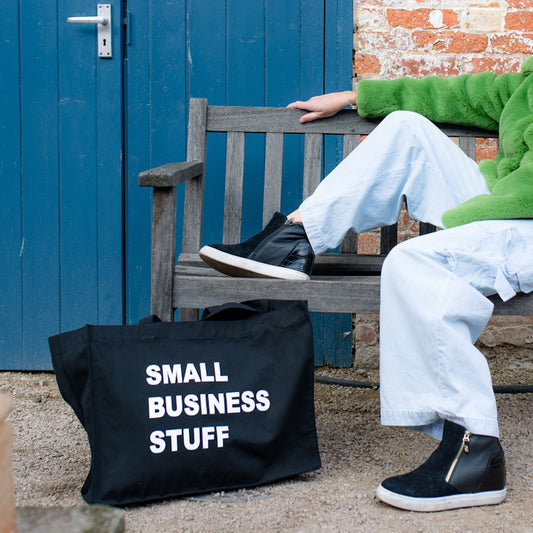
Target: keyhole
105, 44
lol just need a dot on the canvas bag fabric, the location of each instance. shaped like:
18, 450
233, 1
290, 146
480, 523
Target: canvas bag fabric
188, 407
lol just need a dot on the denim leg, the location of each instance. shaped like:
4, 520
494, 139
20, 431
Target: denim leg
406, 158
433, 308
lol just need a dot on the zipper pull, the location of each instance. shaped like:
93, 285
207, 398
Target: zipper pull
466, 441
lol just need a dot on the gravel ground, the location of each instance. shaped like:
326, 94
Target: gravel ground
51, 460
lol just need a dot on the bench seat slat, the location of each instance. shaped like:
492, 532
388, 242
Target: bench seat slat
332, 294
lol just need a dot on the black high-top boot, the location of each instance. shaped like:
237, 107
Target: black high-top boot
281, 250
466, 470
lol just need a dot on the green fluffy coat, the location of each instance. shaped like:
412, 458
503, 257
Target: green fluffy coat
503, 103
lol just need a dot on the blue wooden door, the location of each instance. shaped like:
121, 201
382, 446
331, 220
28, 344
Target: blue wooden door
61, 142
75, 130
236, 52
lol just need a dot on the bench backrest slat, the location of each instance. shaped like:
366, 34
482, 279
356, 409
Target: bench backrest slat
194, 189
468, 145
312, 163
233, 189
273, 175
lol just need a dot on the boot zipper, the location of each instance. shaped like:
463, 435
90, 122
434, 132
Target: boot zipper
464, 447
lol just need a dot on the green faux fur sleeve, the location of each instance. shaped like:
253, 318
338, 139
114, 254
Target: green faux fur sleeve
469, 99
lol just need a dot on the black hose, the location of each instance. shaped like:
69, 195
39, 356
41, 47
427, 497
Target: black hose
501, 389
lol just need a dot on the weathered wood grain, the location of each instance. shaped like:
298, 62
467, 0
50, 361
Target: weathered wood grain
171, 174
352, 295
350, 143
312, 163
273, 175
468, 145
276, 119
233, 189
194, 188
163, 252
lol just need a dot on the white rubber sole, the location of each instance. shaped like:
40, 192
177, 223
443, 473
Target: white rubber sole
233, 265
455, 501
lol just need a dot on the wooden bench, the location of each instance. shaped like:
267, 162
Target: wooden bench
344, 282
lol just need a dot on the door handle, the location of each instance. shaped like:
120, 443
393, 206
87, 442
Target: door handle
88, 20
103, 22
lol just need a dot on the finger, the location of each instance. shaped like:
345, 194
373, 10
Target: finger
297, 105
309, 117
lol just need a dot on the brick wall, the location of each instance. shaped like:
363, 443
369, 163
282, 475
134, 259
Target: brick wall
415, 38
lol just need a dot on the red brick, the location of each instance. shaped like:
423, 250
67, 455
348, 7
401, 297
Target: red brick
380, 40
520, 4
468, 43
486, 149
366, 64
417, 18
521, 20
500, 65
426, 65
513, 43
449, 41
368, 243
449, 18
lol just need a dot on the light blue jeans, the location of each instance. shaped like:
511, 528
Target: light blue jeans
433, 287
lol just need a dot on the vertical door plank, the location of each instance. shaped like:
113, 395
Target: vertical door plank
273, 175
283, 65
139, 128
40, 199
234, 184
156, 129
11, 238
207, 74
246, 87
78, 170
109, 182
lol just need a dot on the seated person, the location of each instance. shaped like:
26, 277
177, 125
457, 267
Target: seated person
434, 287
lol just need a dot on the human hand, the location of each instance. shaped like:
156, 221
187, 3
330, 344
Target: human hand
325, 105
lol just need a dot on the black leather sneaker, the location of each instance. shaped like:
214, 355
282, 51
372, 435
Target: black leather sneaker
466, 470
281, 250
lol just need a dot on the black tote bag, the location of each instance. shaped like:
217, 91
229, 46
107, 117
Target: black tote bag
188, 407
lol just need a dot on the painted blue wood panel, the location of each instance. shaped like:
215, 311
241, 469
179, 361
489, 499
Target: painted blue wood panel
11, 242
64, 163
40, 180
137, 105
156, 125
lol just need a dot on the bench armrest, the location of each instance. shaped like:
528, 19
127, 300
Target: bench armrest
171, 174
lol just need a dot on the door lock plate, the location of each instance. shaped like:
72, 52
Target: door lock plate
103, 24
104, 32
